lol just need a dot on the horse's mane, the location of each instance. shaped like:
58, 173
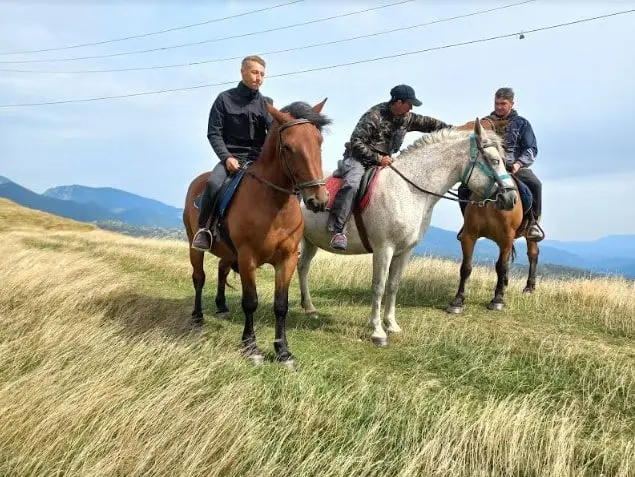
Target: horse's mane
302, 110
447, 134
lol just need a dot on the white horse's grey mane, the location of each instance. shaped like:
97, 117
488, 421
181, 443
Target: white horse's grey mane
447, 134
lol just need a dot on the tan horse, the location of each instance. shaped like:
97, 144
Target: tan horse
500, 226
264, 221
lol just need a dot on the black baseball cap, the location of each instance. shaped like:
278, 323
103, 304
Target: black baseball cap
405, 93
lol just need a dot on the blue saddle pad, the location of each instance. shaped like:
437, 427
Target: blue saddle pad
228, 193
525, 196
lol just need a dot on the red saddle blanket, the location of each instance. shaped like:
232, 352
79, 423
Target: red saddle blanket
362, 200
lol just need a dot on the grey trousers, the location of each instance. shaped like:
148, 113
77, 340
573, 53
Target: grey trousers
214, 183
352, 171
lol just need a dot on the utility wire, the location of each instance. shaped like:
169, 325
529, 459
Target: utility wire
143, 35
213, 40
322, 68
270, 53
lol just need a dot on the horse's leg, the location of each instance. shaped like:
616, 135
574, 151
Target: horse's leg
502, 266
247, 267
304, 264
467, 246
284, 272
198, 279
224, 267
532, 254
397, 266
381, 263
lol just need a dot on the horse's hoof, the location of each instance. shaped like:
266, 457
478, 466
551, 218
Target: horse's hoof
312, 314
528, 291
379, 342
495, 306
454, 310
288, 364
257, 359
394, 329
222, 315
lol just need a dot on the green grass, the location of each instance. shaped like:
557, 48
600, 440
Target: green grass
100, 373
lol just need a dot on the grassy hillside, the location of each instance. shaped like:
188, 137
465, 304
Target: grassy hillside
100, 374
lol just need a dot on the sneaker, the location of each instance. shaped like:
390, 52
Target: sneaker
339, 242
534, 233
202, 240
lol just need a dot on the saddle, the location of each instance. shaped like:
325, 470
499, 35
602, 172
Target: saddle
362, 198
217, 221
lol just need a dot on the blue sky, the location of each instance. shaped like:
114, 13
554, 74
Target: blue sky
574, 84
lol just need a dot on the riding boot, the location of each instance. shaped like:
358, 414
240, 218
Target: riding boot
203, 239
534, 231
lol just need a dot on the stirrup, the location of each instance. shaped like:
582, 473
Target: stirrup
534, 238
211, 240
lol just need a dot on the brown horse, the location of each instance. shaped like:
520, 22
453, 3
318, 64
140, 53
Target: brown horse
500, 226
264, 222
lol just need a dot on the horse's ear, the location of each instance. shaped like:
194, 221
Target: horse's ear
318, 107
477, 129
277, 115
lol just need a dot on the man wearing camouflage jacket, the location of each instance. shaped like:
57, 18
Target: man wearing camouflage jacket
379, 133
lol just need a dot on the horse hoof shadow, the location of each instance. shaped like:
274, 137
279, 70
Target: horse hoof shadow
288, 364
222, 315
495, 306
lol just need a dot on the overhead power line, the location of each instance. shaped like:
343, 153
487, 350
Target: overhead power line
213, 40
274, 52
322, 68
152, 33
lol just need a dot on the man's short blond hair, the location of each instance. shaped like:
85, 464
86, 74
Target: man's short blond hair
255, 58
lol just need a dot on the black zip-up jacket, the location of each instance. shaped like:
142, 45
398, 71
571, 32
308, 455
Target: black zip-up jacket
239, 123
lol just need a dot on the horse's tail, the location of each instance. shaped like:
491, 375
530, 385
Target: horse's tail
513, 253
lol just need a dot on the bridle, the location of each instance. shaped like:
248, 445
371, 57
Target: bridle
476, 151
297, 186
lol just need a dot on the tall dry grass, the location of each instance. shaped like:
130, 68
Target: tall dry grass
101, 375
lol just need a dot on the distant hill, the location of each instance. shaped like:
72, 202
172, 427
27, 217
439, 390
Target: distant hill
115, 209
95, 204
72, 210
125, 206
611, 254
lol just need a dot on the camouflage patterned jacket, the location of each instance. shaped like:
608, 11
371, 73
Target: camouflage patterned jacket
379, 133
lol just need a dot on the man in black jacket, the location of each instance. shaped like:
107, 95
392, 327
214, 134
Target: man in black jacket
237, 128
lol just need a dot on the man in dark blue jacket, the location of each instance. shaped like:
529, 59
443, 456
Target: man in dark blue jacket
237, 129
521, 150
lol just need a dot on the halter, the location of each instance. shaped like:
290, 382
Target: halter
484, 166
297, 187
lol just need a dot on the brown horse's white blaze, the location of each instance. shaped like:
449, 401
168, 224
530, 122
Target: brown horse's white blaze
265, 221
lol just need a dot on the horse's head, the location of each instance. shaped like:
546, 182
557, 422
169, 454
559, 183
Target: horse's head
486, 174
299, 138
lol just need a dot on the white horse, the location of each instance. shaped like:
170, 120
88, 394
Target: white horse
400, 209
